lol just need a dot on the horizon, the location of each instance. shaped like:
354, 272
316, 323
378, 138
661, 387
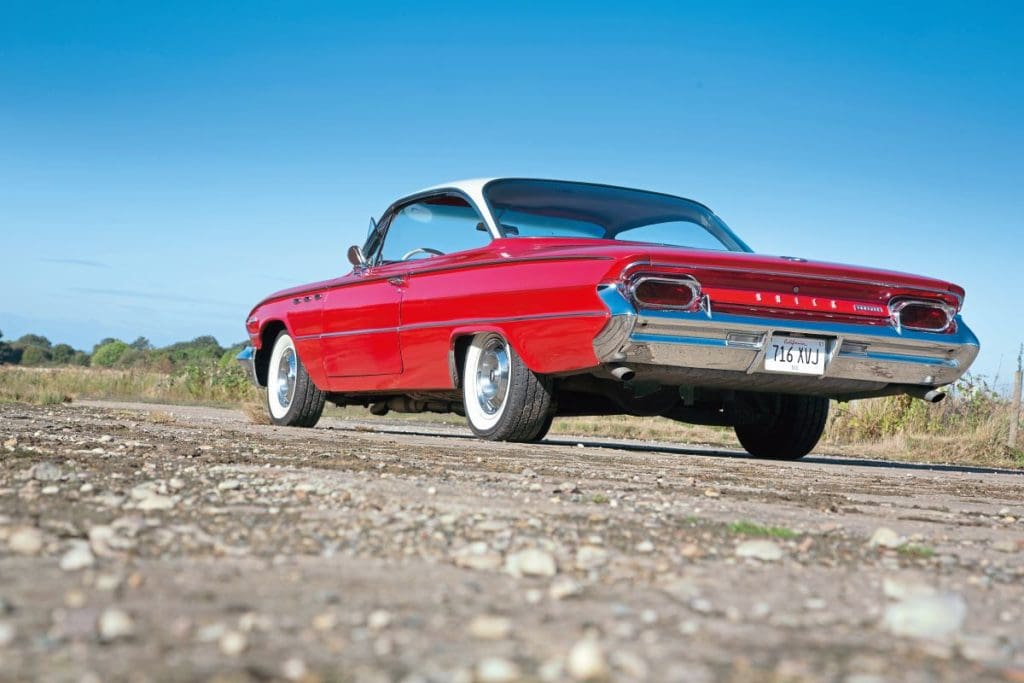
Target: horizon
165, 169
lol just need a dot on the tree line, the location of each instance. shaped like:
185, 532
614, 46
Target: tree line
37, 351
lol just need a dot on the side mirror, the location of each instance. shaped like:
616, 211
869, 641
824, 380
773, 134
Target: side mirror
356, 257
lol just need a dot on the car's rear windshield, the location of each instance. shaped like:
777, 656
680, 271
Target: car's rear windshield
555, 208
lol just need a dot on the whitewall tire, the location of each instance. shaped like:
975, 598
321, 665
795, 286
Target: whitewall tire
504, 400
292, 398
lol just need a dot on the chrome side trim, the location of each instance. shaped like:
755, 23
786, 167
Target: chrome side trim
455, 323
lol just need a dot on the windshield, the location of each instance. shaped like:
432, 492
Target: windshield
554, 208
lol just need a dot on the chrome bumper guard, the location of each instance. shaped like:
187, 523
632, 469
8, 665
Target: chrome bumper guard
726, 347
247, 359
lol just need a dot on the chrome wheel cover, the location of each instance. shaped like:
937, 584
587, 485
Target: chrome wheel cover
287, 370
492, 376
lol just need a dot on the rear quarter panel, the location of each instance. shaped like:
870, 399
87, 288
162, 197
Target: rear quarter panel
547, 308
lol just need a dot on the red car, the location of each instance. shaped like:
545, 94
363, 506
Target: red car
513, 301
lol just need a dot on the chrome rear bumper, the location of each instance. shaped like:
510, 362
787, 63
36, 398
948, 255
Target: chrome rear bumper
714, 349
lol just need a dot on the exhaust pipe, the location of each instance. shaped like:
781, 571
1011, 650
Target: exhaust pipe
622, 373
927, 394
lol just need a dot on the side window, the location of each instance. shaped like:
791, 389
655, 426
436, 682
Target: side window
431, 227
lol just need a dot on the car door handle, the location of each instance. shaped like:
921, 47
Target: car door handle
397, 281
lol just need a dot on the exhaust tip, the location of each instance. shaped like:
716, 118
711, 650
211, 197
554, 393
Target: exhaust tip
622, 373
926, 394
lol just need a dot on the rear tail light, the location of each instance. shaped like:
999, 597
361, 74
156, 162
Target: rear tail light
666, 292
928, 316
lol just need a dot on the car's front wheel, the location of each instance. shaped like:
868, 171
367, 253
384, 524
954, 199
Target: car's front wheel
504, 400
292, 398
788, 431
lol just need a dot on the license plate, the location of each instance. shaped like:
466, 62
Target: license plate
795, 355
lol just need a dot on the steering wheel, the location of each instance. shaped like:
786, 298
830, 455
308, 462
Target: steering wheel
421, 250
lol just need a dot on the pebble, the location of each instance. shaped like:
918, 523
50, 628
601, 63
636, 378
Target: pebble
25, 540
586, 661
79, 556
531, 562
210, 632
45, 471
325, 621
477, 556
884, 537
981, 648
896, 588
229, 485
155, 502
490, 627
75, 599
115, 624
759, 549
233, 643
100, 538
564, 587
645, 547
378, 620
7, 633
294, 669
496, 670
591, 557
691, 551
108, 582
928, 617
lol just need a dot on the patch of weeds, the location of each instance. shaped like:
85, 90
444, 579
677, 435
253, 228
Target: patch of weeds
52, 398
600, 499
257, 414
161, 417
747, 528
915, 551
691, 519
21, 453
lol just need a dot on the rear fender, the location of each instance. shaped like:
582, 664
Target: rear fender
546, 346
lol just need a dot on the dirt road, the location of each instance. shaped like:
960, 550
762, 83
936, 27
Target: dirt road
169, 543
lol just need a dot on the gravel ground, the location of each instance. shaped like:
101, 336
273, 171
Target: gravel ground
161, 543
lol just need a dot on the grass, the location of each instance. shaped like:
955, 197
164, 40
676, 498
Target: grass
743, 527
47, 386
968, 428
915, 551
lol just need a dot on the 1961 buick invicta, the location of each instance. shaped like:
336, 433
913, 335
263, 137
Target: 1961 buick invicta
513, 301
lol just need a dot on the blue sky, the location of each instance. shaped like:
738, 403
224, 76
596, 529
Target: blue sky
163, 167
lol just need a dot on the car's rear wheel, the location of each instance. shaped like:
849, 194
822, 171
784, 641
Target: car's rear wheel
787, 432
292, 398
504, 400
